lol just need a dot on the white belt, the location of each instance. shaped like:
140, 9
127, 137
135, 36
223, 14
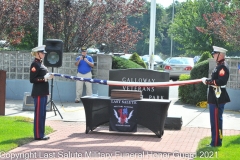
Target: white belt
218, 86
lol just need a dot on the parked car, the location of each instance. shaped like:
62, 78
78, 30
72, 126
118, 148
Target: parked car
196, 59
176, 66
157, 60
4, 44
90, 50
93, 51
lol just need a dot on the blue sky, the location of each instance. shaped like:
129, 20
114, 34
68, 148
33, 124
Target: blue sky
166, 3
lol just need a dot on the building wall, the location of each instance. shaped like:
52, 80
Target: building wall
17, 64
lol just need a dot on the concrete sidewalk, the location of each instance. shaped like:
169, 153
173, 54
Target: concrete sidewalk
192, 116
69, 140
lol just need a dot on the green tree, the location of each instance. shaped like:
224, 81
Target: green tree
30, 40
93, 22
13, 15
142, 23
166, 43
224, 24
77, 22
189, 19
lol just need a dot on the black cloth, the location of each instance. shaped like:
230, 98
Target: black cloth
37, 73
219, 77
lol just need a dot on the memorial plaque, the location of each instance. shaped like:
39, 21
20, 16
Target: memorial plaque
28, 102
143, 76
123, 115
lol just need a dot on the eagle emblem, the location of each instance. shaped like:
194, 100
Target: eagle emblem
124, 117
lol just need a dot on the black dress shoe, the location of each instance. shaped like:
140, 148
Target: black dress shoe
43, 138
209, 145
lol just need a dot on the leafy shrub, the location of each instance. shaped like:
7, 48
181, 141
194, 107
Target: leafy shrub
199, 90
137, 59
183, 91
200, 70
122, 63
195, 93
205, 56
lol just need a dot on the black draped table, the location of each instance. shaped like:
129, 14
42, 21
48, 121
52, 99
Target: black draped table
151, 113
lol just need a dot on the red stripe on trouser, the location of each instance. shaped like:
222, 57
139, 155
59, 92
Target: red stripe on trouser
37, 117
216, 125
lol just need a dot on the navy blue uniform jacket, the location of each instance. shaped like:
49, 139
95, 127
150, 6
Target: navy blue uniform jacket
219, 77
37, 73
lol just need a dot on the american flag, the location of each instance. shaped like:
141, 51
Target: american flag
120, 83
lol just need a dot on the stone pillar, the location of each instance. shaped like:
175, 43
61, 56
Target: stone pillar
101, 71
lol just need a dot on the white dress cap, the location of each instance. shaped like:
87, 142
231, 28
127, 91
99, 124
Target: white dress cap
39, 49
219, 49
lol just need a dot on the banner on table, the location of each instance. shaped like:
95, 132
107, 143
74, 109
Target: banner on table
123, 115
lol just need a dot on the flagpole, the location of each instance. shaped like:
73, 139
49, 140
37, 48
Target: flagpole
171, 52
152, 35
40, 22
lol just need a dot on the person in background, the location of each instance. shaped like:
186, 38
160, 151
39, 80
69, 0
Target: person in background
217, 95
84, 65
39, 76
239, 68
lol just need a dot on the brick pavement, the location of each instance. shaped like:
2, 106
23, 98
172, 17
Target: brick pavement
69, 141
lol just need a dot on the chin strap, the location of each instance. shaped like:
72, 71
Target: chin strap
39, 57
221, 61
217, 57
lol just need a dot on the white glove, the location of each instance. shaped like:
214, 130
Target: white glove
48, 76
204, 80
51, 76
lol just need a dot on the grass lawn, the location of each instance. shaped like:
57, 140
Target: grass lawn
229, 151
16, 131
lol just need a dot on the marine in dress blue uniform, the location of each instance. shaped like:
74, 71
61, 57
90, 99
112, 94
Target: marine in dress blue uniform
217, 95
40, 90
